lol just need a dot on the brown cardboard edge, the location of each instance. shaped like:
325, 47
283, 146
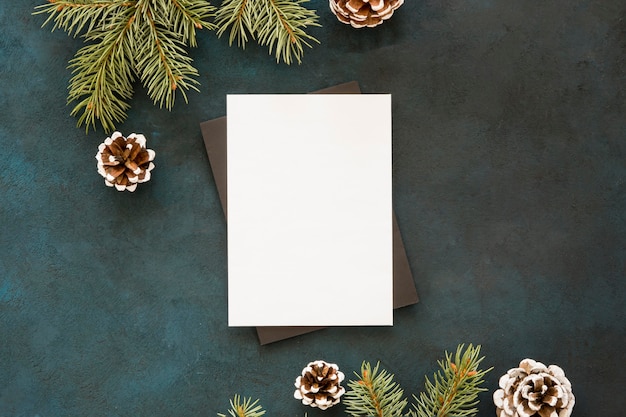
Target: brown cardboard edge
404, 291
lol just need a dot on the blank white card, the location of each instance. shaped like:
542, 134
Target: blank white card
309, 210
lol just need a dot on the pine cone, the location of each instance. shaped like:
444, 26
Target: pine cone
534, 390
320, 385
125, 162
361, 13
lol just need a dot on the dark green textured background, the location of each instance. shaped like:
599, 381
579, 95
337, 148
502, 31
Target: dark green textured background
509, 187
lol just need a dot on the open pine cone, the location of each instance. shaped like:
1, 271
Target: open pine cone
125, 162
364, 13
534, 390
320, 385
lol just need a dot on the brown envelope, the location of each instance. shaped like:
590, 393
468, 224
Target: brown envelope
404, 292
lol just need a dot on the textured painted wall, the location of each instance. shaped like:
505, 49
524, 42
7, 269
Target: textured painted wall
509, 170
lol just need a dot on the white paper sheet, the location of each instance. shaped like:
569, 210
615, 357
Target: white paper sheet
309, 210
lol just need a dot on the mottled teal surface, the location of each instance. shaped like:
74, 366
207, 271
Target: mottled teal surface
509, 187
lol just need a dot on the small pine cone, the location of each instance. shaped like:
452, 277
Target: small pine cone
320, 385
534, 390
364, 13
125, 162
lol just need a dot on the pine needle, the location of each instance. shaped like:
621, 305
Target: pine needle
102, 79
244, 408
374, 394
282, 29
77, 16
164, 66
278, 24
238, 15
455, 388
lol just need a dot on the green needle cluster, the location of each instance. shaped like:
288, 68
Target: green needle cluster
455, 388
244, 408
374, 393
147, 41
278, 24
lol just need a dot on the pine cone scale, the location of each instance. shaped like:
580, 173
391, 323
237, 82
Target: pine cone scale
143, 157
377, 5
116, 170
111, 162
356, 6
132, 165
134, 151
114, 147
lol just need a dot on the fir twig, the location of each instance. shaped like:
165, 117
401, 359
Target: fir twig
282, 28
185, 17
278, 24
75, 16
374, 393
455, 388
244, 408
143, 39
164, 65
238, 15
102, 79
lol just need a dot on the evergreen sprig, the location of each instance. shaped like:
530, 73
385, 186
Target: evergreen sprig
374, 393
147, 40
278, 24
244, 408
455, 388
126, 40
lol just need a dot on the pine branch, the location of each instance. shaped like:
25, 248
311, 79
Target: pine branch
238, 15
374, 394
455, 388
244, 408
76, 16
164, 65
184, 17
282, 27
143, 39
278, 24
103, 74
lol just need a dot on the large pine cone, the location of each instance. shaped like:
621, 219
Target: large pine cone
362, 13
534, 390
320, 385
125, 162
